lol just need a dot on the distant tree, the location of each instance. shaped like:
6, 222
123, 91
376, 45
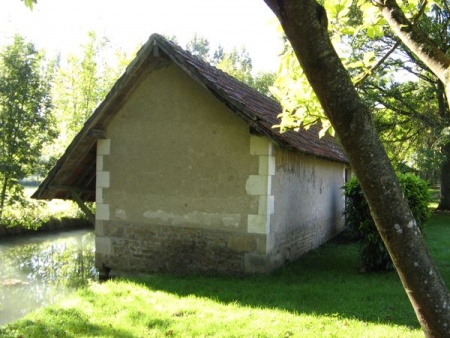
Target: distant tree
199, 46
409, 101
26, 122
262, 81
236, 63
81, 84
218, 55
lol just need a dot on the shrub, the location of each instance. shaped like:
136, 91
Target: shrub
374, 255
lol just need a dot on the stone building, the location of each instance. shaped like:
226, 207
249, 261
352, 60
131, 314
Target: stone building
188, 174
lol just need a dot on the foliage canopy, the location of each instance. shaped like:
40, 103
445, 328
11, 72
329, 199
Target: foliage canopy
26, 122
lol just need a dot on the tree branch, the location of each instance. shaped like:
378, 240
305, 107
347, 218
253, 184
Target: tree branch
379, 63
413, 38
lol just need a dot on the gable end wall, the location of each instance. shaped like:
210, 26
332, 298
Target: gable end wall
187, 185
182, 186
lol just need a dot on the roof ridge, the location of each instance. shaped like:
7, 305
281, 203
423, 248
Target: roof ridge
257, 110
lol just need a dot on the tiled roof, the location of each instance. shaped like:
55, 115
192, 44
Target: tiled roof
75, 170
257, 109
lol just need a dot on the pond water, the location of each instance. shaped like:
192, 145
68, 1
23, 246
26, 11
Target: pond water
37, 271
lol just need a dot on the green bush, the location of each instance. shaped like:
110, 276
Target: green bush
374, 256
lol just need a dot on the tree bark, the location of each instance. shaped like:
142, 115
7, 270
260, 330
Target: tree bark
3, 195
444, 178
304, 22
444, 202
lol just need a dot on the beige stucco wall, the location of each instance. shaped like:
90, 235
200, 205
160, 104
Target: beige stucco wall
182, 185
308, 204
172, 190
178, 157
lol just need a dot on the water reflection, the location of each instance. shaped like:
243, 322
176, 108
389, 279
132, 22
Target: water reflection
36, 271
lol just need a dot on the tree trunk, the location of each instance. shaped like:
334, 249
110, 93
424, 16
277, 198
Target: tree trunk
444, 179
304, 23
444, 203
3, 195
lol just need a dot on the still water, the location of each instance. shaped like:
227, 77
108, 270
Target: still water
37, 271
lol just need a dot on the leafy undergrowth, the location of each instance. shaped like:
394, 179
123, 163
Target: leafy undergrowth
321, 295
33, 215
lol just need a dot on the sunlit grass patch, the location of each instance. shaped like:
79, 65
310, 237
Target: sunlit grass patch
133, 309
321, 295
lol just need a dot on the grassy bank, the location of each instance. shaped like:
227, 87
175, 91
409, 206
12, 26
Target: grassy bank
321, 295
42, 216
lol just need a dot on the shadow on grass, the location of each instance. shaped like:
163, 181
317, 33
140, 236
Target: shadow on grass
325, 282
437, 236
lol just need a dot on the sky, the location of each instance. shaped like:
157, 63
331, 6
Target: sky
62, 25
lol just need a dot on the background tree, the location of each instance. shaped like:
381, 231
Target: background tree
81, 83
406, 97
409, 102
305, 23
237, 63
199, 47
26, 122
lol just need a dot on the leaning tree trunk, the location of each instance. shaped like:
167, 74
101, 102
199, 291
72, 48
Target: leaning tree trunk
444, 202
304, 22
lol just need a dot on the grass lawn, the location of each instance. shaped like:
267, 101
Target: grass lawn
321, 295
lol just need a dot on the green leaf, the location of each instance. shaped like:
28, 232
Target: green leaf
30, 3
369, 58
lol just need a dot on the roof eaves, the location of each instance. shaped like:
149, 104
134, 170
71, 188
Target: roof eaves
93, 122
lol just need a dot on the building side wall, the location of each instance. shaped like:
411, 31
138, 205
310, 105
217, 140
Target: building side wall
178, 156
308, 204
179, 192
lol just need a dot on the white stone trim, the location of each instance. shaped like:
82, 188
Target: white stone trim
102, 211
104, 146
99, 163
103, 245
102, 180
99, 195
258, 224
266, 205
266, 165
260, 185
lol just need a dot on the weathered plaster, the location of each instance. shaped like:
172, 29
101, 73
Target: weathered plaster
194, 218
183, 186
188, 151
308, 203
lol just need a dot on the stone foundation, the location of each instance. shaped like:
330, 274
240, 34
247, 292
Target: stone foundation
291, 244
157, 248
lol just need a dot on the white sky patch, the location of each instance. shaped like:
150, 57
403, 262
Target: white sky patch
62, 25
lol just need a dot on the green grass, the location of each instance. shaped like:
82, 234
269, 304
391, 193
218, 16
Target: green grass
434, 195
321, 295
